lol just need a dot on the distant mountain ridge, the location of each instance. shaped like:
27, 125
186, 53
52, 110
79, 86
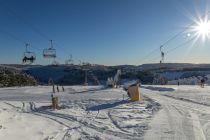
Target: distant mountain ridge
150, 66
75, 74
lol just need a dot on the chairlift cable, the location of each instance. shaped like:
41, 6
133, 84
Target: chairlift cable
149, 54
34, 28
181, 32
181, 45
21, 41
172, 38
12, 12
17, 38
174, 48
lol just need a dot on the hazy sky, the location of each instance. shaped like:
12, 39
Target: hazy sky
106, 32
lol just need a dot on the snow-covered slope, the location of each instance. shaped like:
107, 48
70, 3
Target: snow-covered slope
191, 93
93, 112
87, 112
184, 114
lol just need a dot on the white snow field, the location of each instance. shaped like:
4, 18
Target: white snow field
93, 112
87, 112
185, 113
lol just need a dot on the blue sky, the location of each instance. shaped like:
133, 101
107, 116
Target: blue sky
109, 32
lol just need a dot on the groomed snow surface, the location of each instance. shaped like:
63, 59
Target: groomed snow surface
87, 112
184, 113
94, 112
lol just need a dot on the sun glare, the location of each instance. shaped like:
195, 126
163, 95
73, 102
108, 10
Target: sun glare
203, 29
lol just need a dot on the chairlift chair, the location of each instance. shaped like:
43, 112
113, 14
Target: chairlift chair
162, 55
55, 63
69, 61
49, 52
28, 57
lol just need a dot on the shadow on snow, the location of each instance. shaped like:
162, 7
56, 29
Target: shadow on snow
107, 105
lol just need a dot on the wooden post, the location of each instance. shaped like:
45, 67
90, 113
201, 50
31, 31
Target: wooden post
57, 89
53, 88
63, 88
55, 103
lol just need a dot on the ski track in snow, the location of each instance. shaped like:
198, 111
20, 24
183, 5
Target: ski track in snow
99, 113
89, 113
179, 119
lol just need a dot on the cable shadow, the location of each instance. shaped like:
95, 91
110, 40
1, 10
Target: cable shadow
107, 105
158, 88
89, 90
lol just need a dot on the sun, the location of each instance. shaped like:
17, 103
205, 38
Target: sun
202, 29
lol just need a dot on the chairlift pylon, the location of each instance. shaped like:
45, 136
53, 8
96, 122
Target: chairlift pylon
95, 78
86, 74
28, 57
49, 52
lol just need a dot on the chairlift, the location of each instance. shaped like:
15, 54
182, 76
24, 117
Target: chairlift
49, 52
69, 61
28, 57
55, 63
162, 55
